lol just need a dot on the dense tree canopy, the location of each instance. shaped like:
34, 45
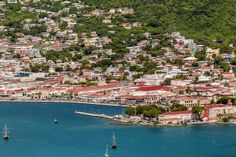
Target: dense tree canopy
202, 20
149, 111
178, 107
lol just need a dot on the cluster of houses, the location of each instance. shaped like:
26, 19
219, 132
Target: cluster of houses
171, 83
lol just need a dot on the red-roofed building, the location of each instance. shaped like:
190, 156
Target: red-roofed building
212, 112
195, 74
153, 88
177, 89
178, 117
187, 101
130, 99
96, 89
228, 75
58, 79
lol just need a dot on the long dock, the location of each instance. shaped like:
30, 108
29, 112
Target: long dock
94, 115
121, 120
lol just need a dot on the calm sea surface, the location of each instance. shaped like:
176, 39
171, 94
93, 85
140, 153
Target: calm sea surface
33, 134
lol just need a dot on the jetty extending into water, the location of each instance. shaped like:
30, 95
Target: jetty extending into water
118, 118
94, 115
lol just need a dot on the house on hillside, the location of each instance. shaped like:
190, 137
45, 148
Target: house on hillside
2, 2
12, 1
187, 101
2, 16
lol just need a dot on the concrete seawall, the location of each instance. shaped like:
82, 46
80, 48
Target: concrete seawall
94, 115
118, 118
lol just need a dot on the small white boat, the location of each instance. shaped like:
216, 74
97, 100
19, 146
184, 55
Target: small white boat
6, 133
106, 153
55, 121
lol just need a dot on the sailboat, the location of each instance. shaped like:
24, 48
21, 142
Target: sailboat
55, 121
113, 145
6, 133
106, 153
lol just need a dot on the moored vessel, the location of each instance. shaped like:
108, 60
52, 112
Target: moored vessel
55, 121
106, 153
6, 133
113, 145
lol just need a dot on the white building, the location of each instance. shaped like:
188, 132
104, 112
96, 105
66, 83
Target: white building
12, 1
180, 82
212, 112
178, 117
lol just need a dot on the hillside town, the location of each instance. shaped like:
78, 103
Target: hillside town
53, 56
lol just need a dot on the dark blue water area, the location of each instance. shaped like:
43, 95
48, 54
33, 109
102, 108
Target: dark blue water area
33, 134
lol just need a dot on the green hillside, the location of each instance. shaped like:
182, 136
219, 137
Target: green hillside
203, 20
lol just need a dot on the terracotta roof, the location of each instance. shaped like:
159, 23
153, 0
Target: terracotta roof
195, 74
176, 113
207, 89
153, 88
185, 98
215, 106
131, 97
208, 107
180, 87
88, 88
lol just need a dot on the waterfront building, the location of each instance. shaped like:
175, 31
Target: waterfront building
178, 117
214, 112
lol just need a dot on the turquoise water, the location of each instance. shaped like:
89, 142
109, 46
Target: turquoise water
33, 134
